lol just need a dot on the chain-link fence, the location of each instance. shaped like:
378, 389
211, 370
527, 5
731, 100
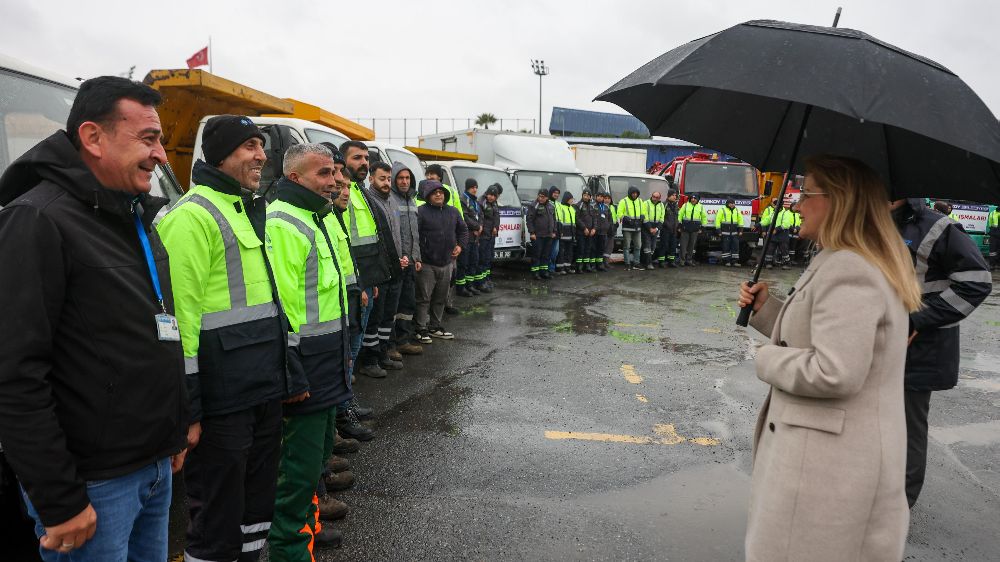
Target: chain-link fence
406, 131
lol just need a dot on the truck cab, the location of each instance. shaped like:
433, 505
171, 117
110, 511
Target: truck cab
391, 154
714, 181
973, 218
509, 244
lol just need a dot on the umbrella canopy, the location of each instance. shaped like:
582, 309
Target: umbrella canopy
745, 90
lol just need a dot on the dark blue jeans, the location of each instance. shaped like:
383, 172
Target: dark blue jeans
132, 515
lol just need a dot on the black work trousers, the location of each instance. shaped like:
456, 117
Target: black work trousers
404, 328
917, 404
541, 247
583, 250
666, 248
994, 250
230, 478
597, 249
486, 243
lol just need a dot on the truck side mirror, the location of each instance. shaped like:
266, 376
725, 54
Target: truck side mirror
767, 188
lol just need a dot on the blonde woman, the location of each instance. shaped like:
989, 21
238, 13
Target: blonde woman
830, 442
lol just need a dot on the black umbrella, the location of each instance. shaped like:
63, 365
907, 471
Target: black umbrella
772, 92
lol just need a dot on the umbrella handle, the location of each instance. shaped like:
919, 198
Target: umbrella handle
744, 318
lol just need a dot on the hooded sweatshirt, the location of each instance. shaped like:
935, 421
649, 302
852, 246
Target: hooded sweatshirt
491, 211
389, 207
409, 230
441, 228
87, 390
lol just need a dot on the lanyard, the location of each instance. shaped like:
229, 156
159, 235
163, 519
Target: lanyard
144, 240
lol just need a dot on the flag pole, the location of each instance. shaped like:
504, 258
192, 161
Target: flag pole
210, 57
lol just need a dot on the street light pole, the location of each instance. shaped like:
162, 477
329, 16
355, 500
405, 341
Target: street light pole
539, 68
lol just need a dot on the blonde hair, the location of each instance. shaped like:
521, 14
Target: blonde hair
859, 220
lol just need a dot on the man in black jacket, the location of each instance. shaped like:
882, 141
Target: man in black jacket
468, 260
666, 247
93, 406
955, 281
491, 229
443, 234
540, 219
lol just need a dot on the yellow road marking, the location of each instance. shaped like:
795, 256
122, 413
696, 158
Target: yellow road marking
666, 434
607, 437
641, 398
628, 371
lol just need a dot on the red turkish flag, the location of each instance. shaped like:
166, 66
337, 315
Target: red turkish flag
198, 59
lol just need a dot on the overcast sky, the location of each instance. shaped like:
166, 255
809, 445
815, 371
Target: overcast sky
388, 58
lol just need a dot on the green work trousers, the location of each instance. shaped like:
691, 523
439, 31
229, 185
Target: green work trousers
306, 444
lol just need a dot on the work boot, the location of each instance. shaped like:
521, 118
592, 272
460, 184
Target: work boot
410, 349
451, 310
390, 365
373, 371
486, 288
650, 267
537, 276
394, 354
343, 446
336, 481
328, 537
546, 275
461, 291
331, 509
363, 412
349, 425
672, 264
338, 464
784, 266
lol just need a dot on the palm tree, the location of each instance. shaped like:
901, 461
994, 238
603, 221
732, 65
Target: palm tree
486, 119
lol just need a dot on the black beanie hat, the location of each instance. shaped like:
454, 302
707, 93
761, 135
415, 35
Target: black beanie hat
338, 157
567, 196
225, 133
543, 191
470, 183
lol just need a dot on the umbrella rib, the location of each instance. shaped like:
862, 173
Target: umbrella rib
888, 159
774, 137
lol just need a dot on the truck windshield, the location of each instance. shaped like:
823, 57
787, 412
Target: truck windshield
619, 186
408, 159
318, 136
486, 177
30, 110
529, 182
719, 179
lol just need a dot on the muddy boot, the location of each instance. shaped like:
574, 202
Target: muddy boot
390, 365
394, 354
336, 481
338, 464
331, 509
410, 349
344, 446
328, 538
373, 371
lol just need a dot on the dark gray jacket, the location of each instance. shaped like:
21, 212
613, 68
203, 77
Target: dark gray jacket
409, 230
441, 228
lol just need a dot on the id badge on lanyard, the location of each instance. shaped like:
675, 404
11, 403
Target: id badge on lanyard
166, 324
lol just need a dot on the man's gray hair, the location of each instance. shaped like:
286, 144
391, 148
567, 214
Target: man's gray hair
297, 153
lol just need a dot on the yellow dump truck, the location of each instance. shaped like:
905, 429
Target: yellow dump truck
191, 97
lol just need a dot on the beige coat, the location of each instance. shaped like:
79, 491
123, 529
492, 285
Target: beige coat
830, 442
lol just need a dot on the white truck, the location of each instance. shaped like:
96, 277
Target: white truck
34, 103
533, 161
593, 159
509, 244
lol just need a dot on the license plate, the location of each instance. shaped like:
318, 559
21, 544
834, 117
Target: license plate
501, 255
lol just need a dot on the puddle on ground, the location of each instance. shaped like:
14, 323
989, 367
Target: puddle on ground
976, 434
982, 362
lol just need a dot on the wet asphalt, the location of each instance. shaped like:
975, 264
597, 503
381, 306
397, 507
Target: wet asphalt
651, 369
609, 417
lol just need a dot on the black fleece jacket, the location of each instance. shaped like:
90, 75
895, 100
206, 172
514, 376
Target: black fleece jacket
87, 390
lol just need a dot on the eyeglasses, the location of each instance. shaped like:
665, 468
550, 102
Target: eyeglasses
807, 194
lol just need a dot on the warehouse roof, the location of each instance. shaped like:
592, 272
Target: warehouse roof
579, 121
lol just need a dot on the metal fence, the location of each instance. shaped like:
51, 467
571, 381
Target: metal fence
405, 131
